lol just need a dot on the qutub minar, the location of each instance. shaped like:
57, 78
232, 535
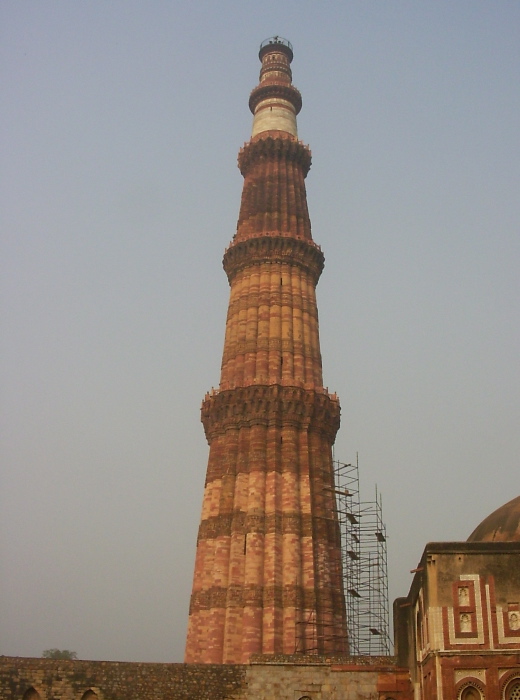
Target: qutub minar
267, 615
268, 551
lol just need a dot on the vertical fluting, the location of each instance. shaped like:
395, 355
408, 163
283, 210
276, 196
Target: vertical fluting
268, 568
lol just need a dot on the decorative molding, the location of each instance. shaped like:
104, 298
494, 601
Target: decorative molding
489, 608
270, 405
277, 148
471, 683
507, 679
290, 250
456, 637
503, 637
239, 596
239, 523
274, 63
467, 673
266, 90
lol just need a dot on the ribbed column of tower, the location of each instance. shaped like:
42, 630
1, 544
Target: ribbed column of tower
268, 566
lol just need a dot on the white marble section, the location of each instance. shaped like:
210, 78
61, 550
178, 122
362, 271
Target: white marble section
274, 115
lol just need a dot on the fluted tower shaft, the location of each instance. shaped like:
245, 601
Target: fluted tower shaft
268, 566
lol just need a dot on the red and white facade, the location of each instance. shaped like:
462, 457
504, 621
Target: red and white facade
459, 628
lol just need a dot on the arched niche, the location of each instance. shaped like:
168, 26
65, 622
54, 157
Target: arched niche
470, 692
31, 694
89, 695
512, 691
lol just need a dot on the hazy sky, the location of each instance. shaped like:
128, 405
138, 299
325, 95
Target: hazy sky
121, 123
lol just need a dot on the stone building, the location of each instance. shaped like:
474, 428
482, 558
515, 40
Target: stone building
268, 577
458, 630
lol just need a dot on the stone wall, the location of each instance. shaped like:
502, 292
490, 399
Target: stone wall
112, 680
327, 678
459, 627
286, 678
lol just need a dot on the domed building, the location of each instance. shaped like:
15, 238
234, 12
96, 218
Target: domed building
458, 630
503, 525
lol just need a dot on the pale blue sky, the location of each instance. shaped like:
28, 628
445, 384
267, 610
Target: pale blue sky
121, 122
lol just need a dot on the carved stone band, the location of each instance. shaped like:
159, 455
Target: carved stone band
274, 249
272, 405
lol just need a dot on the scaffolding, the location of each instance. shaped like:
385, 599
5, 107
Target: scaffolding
364, 560
365, 578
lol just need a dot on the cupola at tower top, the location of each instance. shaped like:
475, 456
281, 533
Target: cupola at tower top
276, 43
275, 101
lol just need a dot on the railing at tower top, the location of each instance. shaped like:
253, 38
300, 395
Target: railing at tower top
276, 40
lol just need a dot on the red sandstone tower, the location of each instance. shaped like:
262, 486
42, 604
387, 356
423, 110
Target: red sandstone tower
268, 568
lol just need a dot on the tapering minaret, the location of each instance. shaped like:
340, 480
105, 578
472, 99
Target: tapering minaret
268, 566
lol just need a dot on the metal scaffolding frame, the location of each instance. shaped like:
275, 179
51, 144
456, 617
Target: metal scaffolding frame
364, 560
365, 577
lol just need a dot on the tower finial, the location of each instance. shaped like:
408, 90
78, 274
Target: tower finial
275, 102
279, 43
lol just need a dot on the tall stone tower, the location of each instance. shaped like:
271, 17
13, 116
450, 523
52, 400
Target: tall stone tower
268, 566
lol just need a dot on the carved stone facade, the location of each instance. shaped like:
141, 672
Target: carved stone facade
457, 630
268, 551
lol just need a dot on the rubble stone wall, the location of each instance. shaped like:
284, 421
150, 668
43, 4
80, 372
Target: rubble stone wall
112, 680
288, 678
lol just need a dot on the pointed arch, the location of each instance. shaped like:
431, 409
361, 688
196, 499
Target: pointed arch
470, 692
31, 694
89, 695
512, 691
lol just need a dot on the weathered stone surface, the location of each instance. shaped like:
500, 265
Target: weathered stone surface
110, 680
459, 627
503, 525
267, 678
